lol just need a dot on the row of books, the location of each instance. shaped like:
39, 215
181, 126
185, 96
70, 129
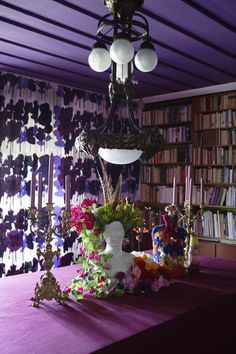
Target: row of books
216, 137
176, 154
178, 134
214, 156
169, 115
163, 174
221, 196
160, 194
224, 119
215, 175
219, 225
215, 196
217, 103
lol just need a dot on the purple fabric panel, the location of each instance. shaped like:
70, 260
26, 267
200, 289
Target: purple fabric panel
116, 325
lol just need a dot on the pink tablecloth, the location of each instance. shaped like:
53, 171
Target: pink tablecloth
196, 314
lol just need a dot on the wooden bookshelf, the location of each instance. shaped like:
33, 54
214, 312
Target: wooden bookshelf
200, 132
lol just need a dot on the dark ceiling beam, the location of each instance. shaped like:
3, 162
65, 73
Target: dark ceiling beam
190, 73
187, 33
37, 50
210, 15
78, 9
159, 43
46, 19
49, 66
44, 33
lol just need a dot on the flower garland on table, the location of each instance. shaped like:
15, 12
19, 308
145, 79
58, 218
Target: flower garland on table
93, 278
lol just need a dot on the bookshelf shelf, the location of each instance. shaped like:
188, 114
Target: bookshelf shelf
163, 126
205, 129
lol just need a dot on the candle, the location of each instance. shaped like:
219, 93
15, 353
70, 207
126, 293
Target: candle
32, 189
40, 190
174, 191
50, 178
190, 191
67, 192
189, 173
186, 188
201, 191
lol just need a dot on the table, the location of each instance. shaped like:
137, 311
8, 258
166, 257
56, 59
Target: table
196, 314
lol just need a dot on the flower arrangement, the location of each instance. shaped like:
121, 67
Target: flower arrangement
89, 222
168, 245
145, 275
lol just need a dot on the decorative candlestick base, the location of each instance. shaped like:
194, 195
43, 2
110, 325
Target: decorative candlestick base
48, 288
191, 250
192, 260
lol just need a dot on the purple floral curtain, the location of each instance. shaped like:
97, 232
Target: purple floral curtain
36, 119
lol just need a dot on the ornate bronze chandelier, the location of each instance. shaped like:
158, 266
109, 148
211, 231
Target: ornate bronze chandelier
126, 25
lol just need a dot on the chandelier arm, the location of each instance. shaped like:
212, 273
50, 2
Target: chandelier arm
109, 119
131, 118
115, 23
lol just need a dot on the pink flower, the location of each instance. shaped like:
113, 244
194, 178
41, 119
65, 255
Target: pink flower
98, 258
102, 278
78, 227
107, 266
92, 290
66, 291
87, 203
89, 219
82, 251
76, 213
91, 255
96, 231
80, 291
83, 274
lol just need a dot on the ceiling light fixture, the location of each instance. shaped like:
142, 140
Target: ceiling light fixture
119, 29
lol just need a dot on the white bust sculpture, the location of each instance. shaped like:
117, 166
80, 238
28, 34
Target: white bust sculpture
120, 261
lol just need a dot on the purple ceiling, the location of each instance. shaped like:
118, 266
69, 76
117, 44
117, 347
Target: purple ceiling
50, 39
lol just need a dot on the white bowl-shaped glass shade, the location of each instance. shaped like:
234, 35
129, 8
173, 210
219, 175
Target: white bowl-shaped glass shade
121, 51
122, 71
99, 59
146, 60
120, 156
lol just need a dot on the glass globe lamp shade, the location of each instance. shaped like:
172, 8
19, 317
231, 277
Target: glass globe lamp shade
120, 156
99, 58
146, 59
121, 51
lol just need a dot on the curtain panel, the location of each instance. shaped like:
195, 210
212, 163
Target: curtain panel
38, 118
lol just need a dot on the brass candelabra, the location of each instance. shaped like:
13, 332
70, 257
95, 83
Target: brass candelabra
191, 250
41, 225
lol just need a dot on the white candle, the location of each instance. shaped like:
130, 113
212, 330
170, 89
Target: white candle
186, 188
190, 191
50, 178
40, 190
201, 191
189, 173
67, 192
32, 189
174, 191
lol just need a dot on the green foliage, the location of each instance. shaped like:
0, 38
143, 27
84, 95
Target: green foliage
126, 213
